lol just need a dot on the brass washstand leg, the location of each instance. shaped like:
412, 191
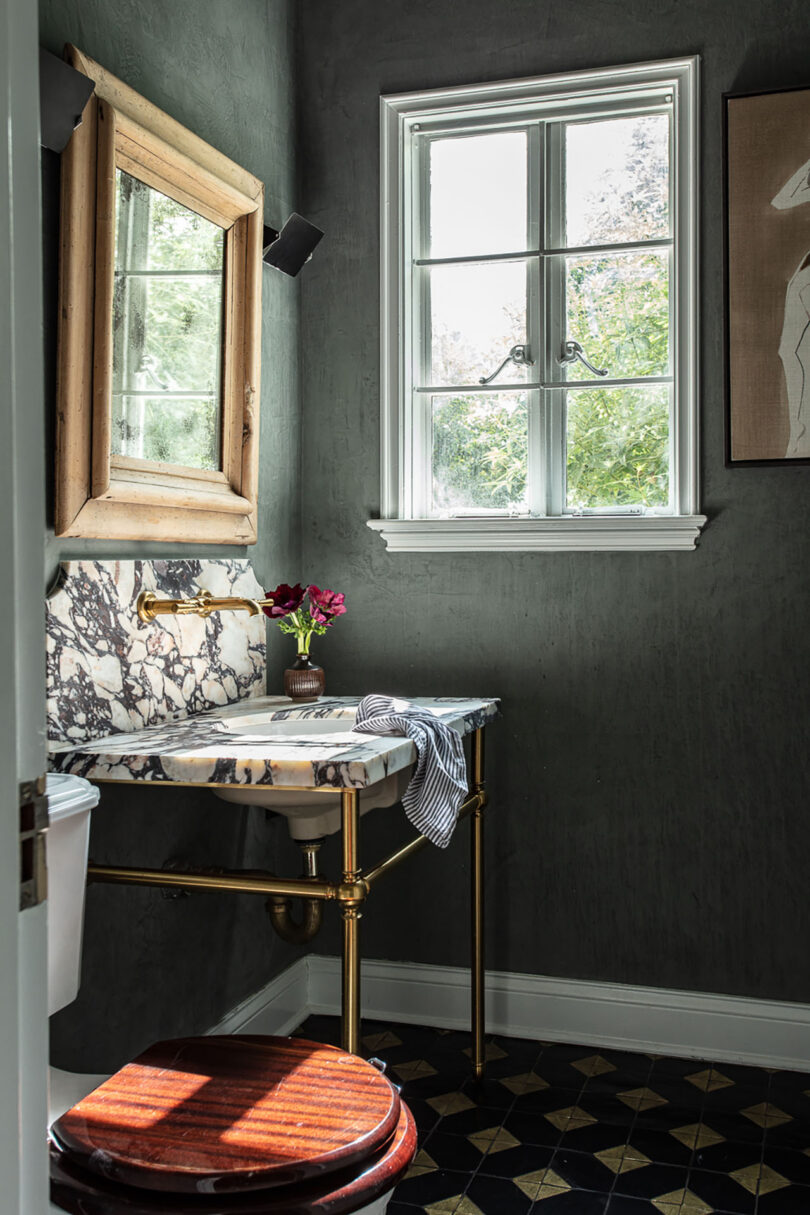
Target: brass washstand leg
352, 902
477, 900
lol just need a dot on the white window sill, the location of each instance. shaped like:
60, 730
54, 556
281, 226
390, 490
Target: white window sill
583, 533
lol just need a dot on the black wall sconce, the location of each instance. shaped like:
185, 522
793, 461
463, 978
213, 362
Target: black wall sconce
63, 94
290, 248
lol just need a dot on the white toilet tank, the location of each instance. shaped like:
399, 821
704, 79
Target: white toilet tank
70, 800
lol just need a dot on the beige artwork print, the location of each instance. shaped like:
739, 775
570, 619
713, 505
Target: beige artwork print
769, 275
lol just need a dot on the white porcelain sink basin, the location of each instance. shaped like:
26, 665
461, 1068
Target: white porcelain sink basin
310, 814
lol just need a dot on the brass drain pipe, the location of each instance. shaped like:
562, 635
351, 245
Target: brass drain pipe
279, 909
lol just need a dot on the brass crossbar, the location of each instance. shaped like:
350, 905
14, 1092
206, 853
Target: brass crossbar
350, 893
242, 882
474, 802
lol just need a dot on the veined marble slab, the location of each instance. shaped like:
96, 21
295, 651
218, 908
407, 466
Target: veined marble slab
211, 749
109, 673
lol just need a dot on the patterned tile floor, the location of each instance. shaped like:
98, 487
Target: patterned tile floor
572, 1129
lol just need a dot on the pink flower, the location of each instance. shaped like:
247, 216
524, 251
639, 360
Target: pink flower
286, 599
325, 605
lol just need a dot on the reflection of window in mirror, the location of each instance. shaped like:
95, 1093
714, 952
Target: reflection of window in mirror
167, 330
160, 288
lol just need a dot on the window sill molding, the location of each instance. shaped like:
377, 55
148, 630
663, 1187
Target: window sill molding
592, 533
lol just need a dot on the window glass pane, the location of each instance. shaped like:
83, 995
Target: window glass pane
617, 180
618, 447
480, 447
478, 194
171, 430
477, 313
156, 233
618, 310
174, 326
167, 329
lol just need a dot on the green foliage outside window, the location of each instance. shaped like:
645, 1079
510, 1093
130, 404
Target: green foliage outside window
618, 439
167, 325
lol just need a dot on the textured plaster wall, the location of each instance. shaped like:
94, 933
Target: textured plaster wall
650, 774
155, 967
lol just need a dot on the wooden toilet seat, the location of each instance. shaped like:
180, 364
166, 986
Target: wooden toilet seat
233, 1125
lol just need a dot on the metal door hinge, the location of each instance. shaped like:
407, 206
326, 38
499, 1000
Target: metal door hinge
33, 832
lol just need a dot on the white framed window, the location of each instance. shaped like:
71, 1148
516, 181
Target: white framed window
539, 313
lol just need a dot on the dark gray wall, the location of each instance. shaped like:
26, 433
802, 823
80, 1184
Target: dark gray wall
650, 773
153, 967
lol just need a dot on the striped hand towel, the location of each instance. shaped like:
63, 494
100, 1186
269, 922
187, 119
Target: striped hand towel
439, 782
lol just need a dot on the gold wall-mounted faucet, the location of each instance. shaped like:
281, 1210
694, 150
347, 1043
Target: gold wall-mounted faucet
150, 607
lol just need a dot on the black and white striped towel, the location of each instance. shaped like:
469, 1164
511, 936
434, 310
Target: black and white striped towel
439, 782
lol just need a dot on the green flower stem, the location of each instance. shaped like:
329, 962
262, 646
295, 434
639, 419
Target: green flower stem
303, 638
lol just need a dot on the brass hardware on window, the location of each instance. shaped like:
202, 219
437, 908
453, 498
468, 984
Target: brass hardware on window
149, 606
33, 832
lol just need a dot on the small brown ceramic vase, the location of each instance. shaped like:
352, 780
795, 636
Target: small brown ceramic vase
304, 680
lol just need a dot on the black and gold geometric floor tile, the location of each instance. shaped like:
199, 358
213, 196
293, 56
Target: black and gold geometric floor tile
727, 1157
467, 1120
523, 1161
675, 1146
433, 1186
451, 1152
545, 1099
532, 1129
653, 1181
792, 1200
500, 1094
595, 1137
726, 1192
499, 1194
793, 1165
573, 1130
584, 1171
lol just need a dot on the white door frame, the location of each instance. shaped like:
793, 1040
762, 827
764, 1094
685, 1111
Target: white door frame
23, 965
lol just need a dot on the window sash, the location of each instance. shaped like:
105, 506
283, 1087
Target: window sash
546, 317
409, 124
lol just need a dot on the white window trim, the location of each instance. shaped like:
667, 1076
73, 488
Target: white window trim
651, 532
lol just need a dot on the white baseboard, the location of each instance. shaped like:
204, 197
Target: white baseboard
277, 1008
688, 1024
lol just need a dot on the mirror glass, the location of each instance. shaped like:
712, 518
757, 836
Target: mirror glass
167, 330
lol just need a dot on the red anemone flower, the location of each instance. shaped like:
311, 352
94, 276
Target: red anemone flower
325, 605
286, 599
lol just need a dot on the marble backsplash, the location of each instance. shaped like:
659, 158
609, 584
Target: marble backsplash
109, 673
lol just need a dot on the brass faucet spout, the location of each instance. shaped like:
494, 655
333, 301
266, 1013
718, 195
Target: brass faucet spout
150, 607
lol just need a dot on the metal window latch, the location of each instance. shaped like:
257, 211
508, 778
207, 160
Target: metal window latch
33, 832
519, 355
573, 351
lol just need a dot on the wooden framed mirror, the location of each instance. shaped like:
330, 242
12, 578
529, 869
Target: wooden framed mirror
159, 328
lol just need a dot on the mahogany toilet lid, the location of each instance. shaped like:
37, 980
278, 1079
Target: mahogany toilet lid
342, 1193
226, 1115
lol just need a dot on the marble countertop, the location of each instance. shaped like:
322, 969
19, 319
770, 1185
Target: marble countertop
228, 747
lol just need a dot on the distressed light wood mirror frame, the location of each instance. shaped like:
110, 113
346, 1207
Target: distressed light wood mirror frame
100, 494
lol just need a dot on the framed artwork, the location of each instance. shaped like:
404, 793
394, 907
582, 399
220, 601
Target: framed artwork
767, 191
